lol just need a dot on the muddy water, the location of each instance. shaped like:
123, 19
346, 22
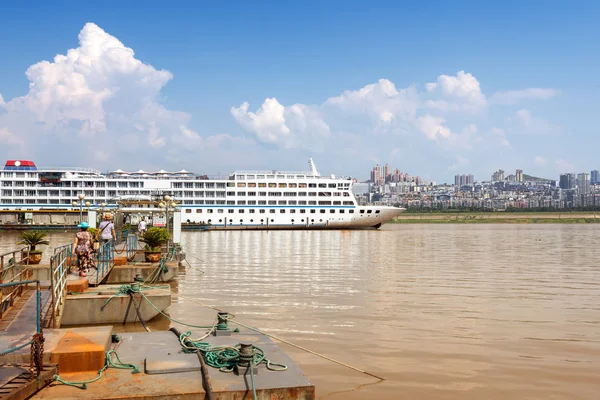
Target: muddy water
439, 311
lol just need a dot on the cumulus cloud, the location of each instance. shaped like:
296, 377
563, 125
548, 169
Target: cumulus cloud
516, 96
381, 101
98, 105
9, 138
459, 92
295, 126
446, 114
433, 127
95, 103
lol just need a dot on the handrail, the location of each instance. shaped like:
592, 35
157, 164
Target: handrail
105, 260
12, 265
11, 270
59, 268
36, 342
132, 244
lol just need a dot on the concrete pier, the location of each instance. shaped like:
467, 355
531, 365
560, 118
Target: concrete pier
178, 375
86, 308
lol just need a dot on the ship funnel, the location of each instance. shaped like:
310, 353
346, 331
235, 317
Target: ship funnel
313, 167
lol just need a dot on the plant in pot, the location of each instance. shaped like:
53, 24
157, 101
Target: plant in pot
154, 238
33, 239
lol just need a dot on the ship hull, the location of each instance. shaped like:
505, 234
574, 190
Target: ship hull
363, 217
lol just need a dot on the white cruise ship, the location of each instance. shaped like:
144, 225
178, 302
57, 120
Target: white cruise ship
246, 200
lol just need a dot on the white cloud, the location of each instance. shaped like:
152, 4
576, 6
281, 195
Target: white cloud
86, 101
9, 138
499, 133
433, 127
526, 123
540, 161
289, 127
101, 106
381, 101
516, 96
460, 92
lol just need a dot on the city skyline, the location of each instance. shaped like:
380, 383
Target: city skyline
450, 89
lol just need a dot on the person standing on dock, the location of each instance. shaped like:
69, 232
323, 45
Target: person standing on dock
106, 230
142, 226
82, 247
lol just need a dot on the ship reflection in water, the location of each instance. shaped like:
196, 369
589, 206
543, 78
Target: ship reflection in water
441, 311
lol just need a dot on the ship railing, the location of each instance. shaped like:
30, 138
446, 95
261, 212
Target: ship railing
70, 169
60, 262
14, 266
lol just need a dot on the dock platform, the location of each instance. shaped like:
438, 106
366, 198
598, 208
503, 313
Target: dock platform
169, 380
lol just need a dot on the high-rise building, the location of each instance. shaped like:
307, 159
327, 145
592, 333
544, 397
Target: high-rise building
595, 177
583, 183
498, 176
567, 181
387, 171
519, 175
461, 180
376, 175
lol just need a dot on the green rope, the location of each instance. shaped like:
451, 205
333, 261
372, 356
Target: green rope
226, 358
124, 289
108, 363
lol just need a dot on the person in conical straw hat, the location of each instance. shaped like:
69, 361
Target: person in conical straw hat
106, 230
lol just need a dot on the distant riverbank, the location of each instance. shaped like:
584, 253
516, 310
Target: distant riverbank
500, 217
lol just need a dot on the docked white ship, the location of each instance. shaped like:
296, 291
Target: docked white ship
246, 200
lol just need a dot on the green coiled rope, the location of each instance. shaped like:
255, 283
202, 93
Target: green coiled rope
226, 358
107, 363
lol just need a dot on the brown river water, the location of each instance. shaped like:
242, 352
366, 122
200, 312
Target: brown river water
439, 311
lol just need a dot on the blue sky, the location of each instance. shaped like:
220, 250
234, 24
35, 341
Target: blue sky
511, 85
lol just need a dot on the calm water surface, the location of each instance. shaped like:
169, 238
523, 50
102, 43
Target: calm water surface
440, 311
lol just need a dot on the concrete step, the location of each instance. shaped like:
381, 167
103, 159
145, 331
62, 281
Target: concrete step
79, 349
73, 349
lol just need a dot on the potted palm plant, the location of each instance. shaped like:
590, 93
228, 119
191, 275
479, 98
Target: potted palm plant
154, 238
33, 239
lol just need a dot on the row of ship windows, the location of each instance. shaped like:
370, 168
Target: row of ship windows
202, 202
281, 211
177, 185
56, 193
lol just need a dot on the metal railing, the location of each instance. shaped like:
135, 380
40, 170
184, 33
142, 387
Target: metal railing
122, 235
14, 266
59, 268
105, 260
37, 340
132, 245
